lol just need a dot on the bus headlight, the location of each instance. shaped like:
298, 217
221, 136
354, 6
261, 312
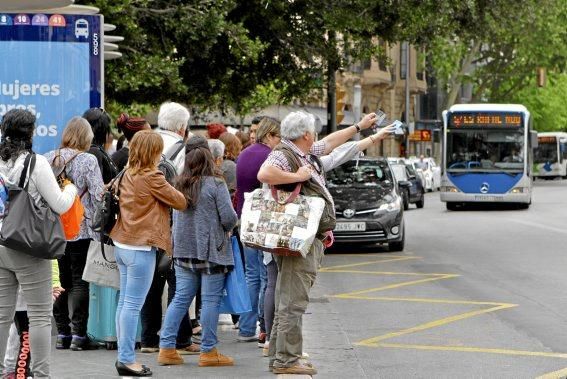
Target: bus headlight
449, 189
517, 190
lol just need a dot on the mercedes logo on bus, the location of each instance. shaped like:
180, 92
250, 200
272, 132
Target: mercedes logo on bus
348, 213
484, 188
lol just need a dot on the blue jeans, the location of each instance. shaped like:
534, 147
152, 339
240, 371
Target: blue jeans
255, 276
136, 273
187, 284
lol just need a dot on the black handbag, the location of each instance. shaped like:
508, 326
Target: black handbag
34, 229
106, 213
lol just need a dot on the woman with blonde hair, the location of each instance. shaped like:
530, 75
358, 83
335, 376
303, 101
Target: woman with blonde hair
71, 160
142, 227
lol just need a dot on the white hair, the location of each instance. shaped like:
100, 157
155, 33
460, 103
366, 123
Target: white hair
295, 124
217, 148
173, 117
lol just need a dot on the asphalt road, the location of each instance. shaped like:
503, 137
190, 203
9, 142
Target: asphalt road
475, 294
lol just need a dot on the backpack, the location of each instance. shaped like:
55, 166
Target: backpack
166, 164
72, 219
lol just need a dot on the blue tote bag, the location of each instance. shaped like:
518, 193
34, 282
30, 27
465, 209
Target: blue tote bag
236, 299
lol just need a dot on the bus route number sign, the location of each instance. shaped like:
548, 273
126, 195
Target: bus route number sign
459, 120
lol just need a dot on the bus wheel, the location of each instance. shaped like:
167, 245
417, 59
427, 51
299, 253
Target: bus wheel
451, 206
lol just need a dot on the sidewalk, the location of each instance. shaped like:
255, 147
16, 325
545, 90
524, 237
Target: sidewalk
324, 340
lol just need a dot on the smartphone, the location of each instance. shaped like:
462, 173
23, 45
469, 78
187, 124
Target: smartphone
380, 117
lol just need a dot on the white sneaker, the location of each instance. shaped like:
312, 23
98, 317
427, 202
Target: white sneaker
247, 338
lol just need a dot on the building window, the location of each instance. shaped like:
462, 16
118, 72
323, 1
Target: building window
383, 59
367, 64
403, 59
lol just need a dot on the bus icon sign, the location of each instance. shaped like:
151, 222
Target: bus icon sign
81, 28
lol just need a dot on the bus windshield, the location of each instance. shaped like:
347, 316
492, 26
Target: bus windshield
485, 150
545, 152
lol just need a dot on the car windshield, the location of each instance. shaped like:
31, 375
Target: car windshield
400, 172
485, 150
360, 173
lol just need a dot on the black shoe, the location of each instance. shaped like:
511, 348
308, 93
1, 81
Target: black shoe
63, 342
83, 343
123, 370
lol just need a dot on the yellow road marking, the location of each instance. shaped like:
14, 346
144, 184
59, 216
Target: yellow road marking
397, 285
560, 374
378, 341
475, 350
421, 300
432, 324
395, 259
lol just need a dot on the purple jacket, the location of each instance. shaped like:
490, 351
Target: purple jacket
247, 167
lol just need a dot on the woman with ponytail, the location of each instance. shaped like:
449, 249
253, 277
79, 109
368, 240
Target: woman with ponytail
128, 126
202, 254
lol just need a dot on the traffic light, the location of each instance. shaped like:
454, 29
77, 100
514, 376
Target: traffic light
540, 71
340, 103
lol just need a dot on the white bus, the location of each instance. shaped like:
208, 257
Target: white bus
550, 157
487, 155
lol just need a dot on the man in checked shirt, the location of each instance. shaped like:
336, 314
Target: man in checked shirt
296, 274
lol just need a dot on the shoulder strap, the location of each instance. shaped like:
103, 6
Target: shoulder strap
176, 151
29, 162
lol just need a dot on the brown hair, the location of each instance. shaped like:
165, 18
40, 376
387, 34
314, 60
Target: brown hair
77, 135
199, 163
232, 144
244, 138
268, 126
145, 149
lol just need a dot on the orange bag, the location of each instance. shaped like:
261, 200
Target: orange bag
72, 219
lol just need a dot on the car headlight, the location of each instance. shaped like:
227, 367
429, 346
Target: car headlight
518, 190
449, 189
391, 207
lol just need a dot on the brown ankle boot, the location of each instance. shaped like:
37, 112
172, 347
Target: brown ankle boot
214, 358
169, 357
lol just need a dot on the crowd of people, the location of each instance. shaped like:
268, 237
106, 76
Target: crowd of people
190, 218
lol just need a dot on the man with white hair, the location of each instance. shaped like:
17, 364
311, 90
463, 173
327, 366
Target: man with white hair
296, 160
173, 123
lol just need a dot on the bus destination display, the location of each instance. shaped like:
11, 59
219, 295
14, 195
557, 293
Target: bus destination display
510, 120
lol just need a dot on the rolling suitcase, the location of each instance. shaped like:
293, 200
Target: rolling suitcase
103, 302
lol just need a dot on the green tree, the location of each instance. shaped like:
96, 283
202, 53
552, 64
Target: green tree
546, 104
499, 54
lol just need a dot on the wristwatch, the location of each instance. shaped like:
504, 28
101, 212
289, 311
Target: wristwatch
357, 127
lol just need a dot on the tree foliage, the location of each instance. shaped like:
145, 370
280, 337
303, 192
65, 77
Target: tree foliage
241, 54
500, 52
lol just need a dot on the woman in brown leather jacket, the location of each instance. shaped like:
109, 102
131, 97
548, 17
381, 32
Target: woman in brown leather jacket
141, 228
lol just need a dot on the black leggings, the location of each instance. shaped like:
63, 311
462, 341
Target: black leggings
269, 297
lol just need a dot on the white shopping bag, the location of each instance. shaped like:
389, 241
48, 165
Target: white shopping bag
286, 226
100, 271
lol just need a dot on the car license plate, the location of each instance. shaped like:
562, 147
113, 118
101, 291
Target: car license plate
488, 198
351, 226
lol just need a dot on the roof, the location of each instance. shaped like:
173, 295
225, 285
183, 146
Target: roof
488, 107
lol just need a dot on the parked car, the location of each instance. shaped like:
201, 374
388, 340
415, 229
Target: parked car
368, 203
417, 171
431, 172
415, 193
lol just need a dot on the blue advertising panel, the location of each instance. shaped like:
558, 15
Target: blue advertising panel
51, 65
